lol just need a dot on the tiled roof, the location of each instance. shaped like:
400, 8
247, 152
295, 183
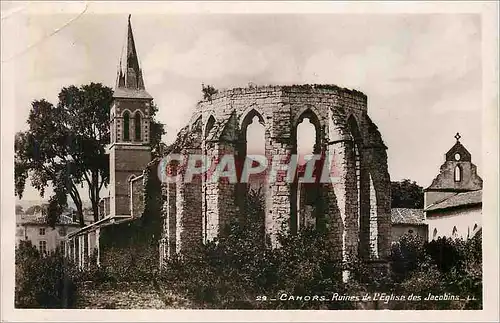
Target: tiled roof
28, 219
407, 216
40, 219
131, 94
459, 199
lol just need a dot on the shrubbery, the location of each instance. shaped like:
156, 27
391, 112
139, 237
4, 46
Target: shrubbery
132, 263
443, 266
238, 269
43, 281
233, 271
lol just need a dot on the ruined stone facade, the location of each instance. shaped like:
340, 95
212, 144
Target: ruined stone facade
354, 209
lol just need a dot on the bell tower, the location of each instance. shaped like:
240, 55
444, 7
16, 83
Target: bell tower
457, 175
129, 149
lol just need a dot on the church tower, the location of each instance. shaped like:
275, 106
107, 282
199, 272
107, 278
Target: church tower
129, 149
457, 175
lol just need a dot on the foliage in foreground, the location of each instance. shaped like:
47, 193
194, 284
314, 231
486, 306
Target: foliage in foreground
237, 270
43, 281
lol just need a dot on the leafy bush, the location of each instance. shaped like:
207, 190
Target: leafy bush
132, 263
406, 255
443, 266
233, 271
43, 281
238, 269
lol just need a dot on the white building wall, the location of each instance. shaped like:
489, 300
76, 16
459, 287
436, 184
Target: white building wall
441, 223
52, 236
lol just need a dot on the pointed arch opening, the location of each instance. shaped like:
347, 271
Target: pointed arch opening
126, 126
307, 207
454, 232
210, 124
434, 234
252, 130
138, 126
251, 188
306, 141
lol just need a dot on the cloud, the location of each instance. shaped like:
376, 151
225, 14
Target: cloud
467, 101
450, 48
438, 55
35, 90
215, 54
371, 68
175, 109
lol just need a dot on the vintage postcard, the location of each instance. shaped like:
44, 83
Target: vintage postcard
249, 161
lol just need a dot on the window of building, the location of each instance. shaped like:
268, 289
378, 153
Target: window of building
126, 126
454, 232
410, 231
475, 226
42, 246
434, 234
137, 125
458, 174
457, 156
42, 231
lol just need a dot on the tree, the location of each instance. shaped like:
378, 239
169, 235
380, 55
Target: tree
407, 194
65, 147
35, 209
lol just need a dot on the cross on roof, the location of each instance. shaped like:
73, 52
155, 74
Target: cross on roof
457, 136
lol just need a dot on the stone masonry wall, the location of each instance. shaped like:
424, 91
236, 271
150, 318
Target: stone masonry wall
356, 207
137, 196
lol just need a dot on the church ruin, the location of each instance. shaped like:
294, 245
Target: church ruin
355, 208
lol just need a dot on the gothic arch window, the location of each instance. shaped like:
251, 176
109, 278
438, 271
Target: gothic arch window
209, 126
434, 234
475, 227
306, 206
126, 126
137, 126
252, 142
458, 174
454, 232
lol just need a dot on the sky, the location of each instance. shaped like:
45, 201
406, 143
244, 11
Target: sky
421, 72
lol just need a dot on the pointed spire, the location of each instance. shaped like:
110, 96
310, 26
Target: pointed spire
131, 76
132, 60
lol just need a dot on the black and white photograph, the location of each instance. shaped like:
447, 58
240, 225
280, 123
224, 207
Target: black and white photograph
235, 161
